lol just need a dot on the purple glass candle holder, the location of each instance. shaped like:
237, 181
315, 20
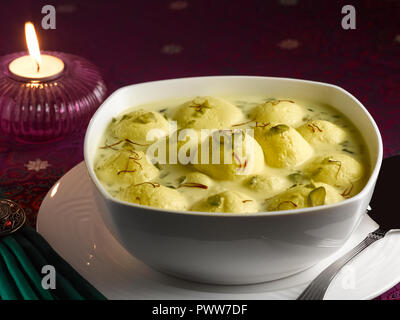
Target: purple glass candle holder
34, 111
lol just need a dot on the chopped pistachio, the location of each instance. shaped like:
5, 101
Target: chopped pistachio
297, 178
181, 179
347, 150
214, 200
317, 197
158, 166
164, 174
125, 117
287, 205
280, 128
317, 171
146, 118
202, 110
253, 180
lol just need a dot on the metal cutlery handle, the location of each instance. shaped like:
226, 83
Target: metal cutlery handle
317, 288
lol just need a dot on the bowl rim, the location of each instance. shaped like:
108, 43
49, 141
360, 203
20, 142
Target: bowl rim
370, 183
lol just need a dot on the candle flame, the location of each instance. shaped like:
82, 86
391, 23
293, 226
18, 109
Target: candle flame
33, 44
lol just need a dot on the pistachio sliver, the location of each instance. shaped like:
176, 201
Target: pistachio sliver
253, 181
214, 200
297, 178
145, 118
310, 185
317, 197
164, 174
181, 179
125, 117
287, 205
280, 128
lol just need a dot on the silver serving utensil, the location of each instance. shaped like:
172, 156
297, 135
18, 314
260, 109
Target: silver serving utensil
383, 203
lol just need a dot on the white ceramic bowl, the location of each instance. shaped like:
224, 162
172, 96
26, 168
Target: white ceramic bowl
235, 248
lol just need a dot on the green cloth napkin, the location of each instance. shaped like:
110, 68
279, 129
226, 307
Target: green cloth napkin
22, 257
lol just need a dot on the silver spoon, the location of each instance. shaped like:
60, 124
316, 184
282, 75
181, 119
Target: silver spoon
384, 213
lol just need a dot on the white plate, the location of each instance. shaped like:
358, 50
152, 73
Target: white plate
68, 219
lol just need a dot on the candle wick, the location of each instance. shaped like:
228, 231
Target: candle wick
38, 66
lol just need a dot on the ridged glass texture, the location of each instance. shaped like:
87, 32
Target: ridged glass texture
41, 111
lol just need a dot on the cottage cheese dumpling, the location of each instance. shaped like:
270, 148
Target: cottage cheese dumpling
338, 170
267, 184
278, 111
124, 168
207, 113
304, 196
227, 201
136, 125
154, 195
241, 154
322, 131
283, 146
240, 161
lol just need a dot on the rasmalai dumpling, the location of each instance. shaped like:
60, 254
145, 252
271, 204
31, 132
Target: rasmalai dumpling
207, 113
278, 111
322, 131
154, 195
240, 162
283, 146
136, 125
338, 170
124, 168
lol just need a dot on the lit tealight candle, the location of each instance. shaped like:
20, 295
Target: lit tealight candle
35, 66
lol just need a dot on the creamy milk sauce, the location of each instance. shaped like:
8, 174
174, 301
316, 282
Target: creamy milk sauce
172, 175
